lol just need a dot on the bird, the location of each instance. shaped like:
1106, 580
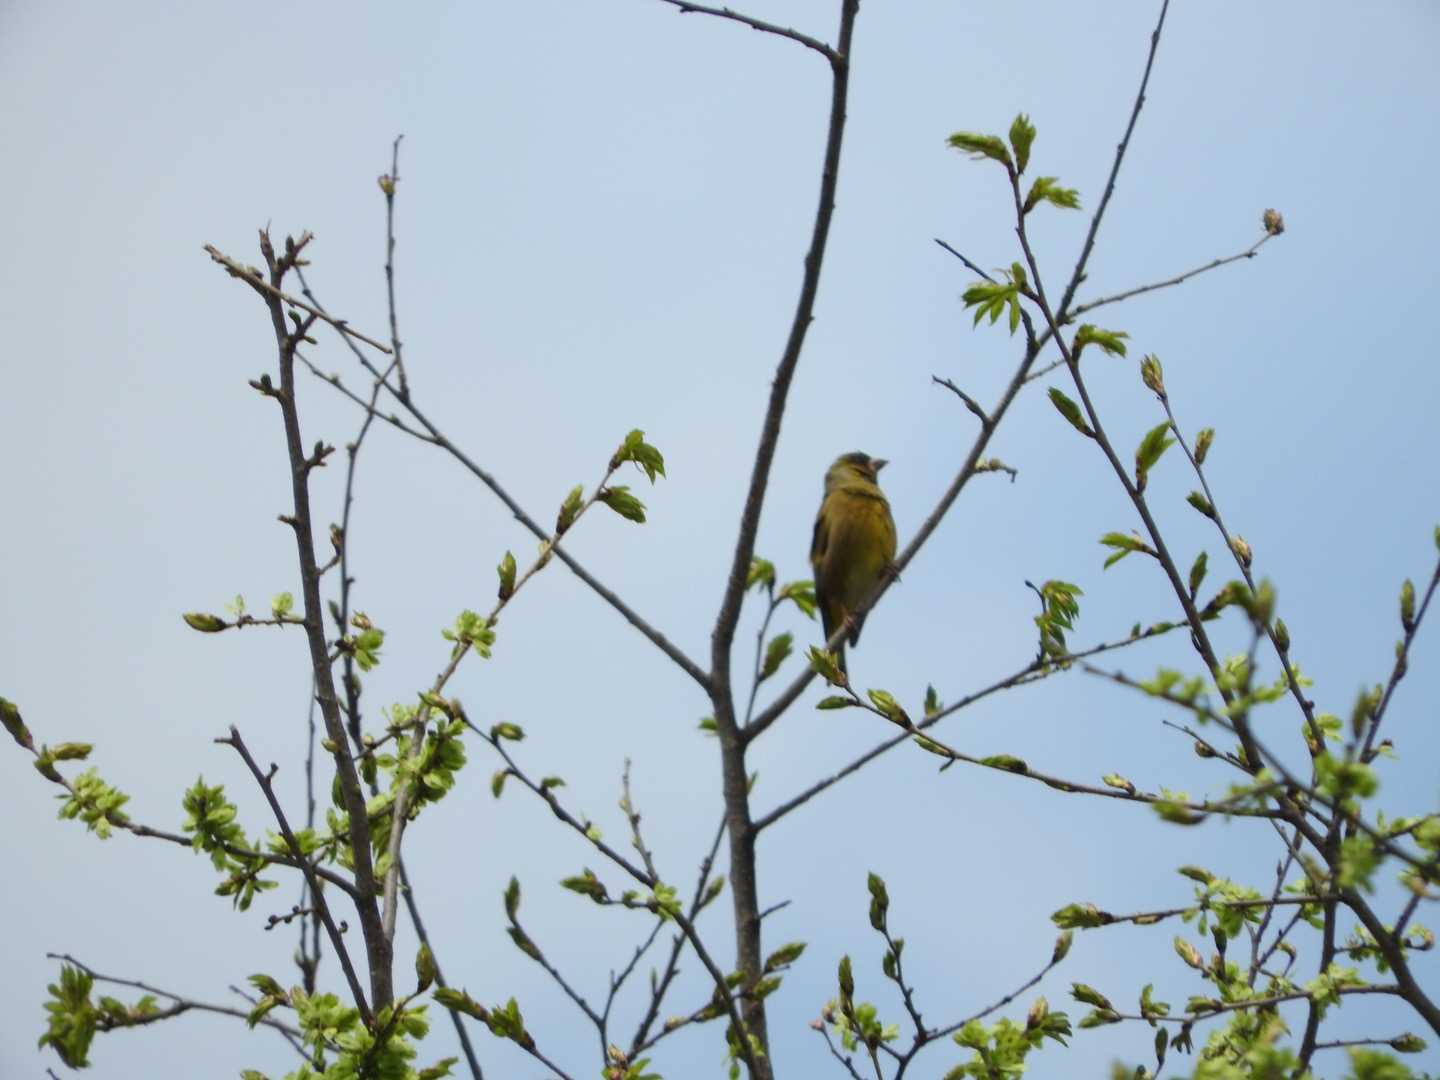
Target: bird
853, 546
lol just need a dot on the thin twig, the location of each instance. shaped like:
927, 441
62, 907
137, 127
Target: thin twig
184, 1004
686, 7
256, 280
336, 941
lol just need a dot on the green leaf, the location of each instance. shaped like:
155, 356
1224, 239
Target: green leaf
762, 574
281, 604
1197, 573
835, 702
569, 509
885, 702
1407, 605
587, 884
780, 647
980, 146
497, 782
619, 499
1088, 995
993, 298
506, 570
1156, 441
424, 968
1022, 137
1081, 917
1201, 503
1047, 189
827, 666
1152, 375
1110, 341
1123, 544
460, 1001
932, 702
206, 624
784, 956
879, 900
1008, 762
1070, 411
512, 898
801, 594
10, 719
635, 449
1119, 783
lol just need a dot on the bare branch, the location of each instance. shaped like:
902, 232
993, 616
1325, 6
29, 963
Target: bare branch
336, 941
256, 281
687, 8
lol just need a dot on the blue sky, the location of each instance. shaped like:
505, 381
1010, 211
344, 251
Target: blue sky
602, 216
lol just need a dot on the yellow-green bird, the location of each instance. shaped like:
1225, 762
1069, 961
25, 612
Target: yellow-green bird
854, 543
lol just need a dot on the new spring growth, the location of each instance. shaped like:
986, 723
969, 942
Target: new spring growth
1152, 374
1273, 221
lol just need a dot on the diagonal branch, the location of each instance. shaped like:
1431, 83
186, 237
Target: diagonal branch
434, 435
336, 941
687, 8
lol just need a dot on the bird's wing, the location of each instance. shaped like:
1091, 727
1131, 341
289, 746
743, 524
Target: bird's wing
819, 545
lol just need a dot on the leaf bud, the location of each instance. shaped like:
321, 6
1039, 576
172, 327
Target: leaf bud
1152, 374
1202, 444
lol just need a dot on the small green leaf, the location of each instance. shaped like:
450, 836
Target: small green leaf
1156, 441
1070, 411
497, 782
762, 574
1110, 341
1123, 544
784, 956
619, 499
424, 969
1202, 444
635, 449
569, 509
10, 719
1407, 605
1047, 189
512, 898
1152, 375
1197, 573
801, 594
1115, 780
885, 702
1022, 137
281, 605
980, 146
827, 666
780, 647
1201, 503
506, 570
1008, 762
1081, 917
835, 702
206, 624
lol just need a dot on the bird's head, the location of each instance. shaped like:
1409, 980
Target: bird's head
853, 468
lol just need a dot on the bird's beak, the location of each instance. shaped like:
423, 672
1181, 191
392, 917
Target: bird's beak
878, 463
